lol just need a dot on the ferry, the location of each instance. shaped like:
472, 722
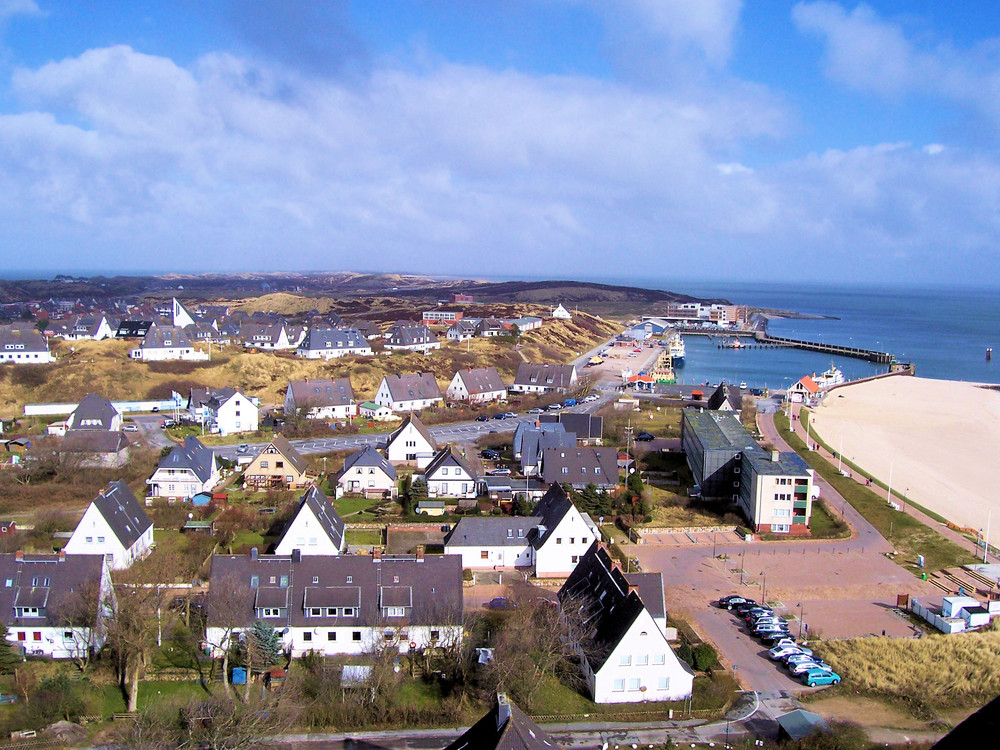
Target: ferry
675, 347
830, 378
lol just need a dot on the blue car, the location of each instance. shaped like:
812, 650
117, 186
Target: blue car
815, 677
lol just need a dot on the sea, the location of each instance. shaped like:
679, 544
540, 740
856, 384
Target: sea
944, 332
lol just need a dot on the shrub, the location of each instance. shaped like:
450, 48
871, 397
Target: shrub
685, 654
705, 657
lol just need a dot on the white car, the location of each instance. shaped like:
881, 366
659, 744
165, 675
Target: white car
130, 427
536, 410
780, 652
591, 397
804, 666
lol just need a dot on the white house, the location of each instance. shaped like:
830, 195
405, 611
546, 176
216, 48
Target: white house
184, 472
316, 529
224, 410
408, 392
561, 313
44, 598
478, 385
450, 475
416, 338
114, 525
348, 604
535, 378
322, 342
163, 343
94, 412
367, 473
410, 443
24, 347
85, 328
321, 399
268, 337
375, 412
626, 658
553, 540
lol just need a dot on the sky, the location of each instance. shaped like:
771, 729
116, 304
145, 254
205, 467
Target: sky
645, 139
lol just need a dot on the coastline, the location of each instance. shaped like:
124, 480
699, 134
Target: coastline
937, 438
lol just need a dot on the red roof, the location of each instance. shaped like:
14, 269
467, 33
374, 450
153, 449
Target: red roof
809, 384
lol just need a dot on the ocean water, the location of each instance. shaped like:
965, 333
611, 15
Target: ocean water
944, 332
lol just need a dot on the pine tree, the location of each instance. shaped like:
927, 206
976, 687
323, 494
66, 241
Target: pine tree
9, 661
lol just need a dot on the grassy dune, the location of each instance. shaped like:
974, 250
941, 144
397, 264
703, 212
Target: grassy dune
104, 367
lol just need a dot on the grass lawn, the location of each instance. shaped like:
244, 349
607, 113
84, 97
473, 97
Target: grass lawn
909, 536
349, 505
369, 537
249, 538
824, 526
672, 510
661, 420
151, 692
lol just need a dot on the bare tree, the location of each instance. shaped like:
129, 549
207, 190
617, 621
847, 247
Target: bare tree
228, 613
80, 614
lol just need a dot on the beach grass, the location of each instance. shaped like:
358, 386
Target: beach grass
909, 536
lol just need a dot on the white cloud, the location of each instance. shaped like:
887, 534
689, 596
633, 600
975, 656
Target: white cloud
11, 8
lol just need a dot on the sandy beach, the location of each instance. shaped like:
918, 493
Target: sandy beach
940, 437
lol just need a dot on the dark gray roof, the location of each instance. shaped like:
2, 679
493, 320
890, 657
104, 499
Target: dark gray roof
324, 338
123, 513
547, 376
449, 457
321, 507
369, 457
584, 426
211, 397
413, 386
68, 577
551, 510
650, 587
505, 727
309, 394
788, 464
28, 340
581, 466
435, 583
367, 328
525, 428
718, 430
410, 335
799, 723
724, 394
94, 441
94, 412
165, 337
133, 329
489, 531
482, 380
534, 443
191, 455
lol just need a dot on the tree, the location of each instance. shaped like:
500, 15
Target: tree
228, 604
80, 614
9, 661
705, 657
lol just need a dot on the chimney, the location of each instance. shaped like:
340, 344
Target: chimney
420, 553
19, 555
253, 553
296, 555
377, 554
62, 555
503, 710
775, 456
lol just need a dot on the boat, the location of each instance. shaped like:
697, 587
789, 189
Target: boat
830, 378
736, 344
675, 347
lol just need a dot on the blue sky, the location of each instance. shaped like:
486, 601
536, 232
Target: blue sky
661, 139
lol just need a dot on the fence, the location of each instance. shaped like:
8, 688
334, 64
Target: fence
49, 410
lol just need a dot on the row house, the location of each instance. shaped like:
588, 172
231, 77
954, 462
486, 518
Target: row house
24, 347
331, 343
409, 392
321, 399
477, 385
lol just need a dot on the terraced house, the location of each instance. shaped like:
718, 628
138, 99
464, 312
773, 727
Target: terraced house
408, 392
321, 399
322, 342
24, 347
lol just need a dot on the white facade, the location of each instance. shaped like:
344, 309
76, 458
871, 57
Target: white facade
384, 398
165, 353
458, 391
376, 412
409, 446
561, 548
451, 481
493, 556
350, 639
237, 414
307, 535
561, 313
333, 352
94, 536
180, 483
367, 480
17, 354
641, 667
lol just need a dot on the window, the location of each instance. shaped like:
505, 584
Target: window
642, 660
331, 611
316, 612
618, 686
270, 612
307, 636
558, 540
659, 658
350, 579
520, 533
435, 634
263, 464
90, 540
633, 684
254, 581
510, 533
575, 559
395, 611
279, 464
348, 611
444, 471
331, 635
565, 470
67, 635
284, 582
597, 469
484, 555
315, 579
625, 660
663, 683
356, 635
36, 635
100, 540
9, 582
572, 540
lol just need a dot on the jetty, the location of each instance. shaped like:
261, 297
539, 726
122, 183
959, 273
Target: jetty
881, 358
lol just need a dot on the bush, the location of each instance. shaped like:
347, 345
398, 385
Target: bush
685, 654
705, 657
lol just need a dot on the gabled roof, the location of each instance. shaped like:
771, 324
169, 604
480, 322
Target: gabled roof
492, 531
369, 457
525, 429
123, 513
581, 465
808, 384
311, 394
93, 413
29, 340
133, 329
213, 397
448, 457
505, 727
547, 376
325, 338
412, 386
584, 426
68, 577
482, 380
165, 337
411, 419
286, 449
191, 455
650, 587
321, 507
551, 509
410, 335
726, 394
94, 441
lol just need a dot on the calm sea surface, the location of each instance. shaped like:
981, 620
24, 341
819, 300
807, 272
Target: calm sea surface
945, 332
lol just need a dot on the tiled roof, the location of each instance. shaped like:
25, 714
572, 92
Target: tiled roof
123, 513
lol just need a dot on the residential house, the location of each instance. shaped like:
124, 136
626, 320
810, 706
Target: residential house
726, 398
84, 328
408, 392
277, 466
114, 525
625, 657
94, 412
534, 443
166, 343
46, 598
504, 727
588, 428
321, 399
535, 378
321, 342
133, 329
525, 323
463, 330
367, 328
415, 338
525, 430
561, 313
267, 337
410, 443
803, 390
316, 528
182, 317
552, 540
375, 412
367, 472
441, 315
94, 449
491, 328
184, 472
349, 604
478, 385
224, 410
450, 474
24, 347
579, 467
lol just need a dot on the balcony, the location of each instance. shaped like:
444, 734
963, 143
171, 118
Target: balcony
800, 505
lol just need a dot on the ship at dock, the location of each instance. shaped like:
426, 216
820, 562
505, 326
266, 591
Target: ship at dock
675, 348
830, 378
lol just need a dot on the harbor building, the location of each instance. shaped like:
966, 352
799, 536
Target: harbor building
775, 491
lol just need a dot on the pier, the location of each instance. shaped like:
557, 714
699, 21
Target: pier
881, 358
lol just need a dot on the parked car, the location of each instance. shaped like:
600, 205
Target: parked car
536, 410
754, 612
779, 652
797, 659
489, 453
482, 418
167, 423
554, 407
782, 637
805, 666
569, 402
243, 448
591, 397
769, 627
504, 472
509, 415
745, 605
130, 427
645, 437
815, 677
766, 619
500, 416
730, 601
501, 602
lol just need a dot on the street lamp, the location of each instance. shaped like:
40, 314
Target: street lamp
735, 668
763, 592
800, 620
742, 556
